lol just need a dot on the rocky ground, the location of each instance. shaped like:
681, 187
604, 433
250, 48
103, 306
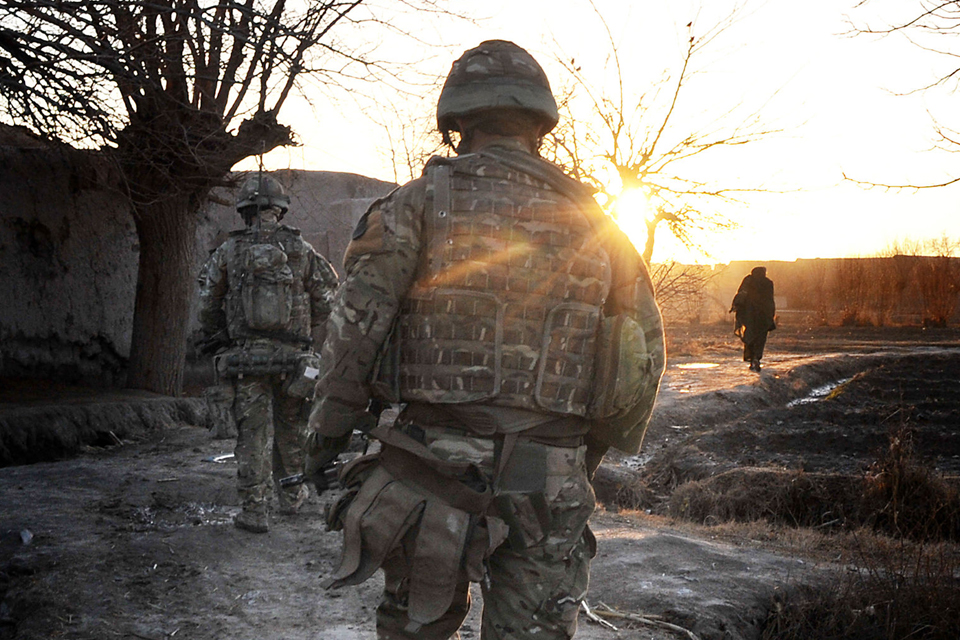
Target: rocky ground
125, 531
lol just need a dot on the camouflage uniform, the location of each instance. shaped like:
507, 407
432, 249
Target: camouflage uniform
271, 421
477, 295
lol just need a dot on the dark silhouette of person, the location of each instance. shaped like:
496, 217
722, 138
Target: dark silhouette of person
755, 310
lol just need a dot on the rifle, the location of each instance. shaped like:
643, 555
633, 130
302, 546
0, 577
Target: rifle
329, 478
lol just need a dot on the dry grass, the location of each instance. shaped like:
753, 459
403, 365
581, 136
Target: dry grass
897, 497
897, 590
892, 534
796, 499
907, 499
894, 537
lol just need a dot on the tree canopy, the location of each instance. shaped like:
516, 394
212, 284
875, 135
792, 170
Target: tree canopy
174, 93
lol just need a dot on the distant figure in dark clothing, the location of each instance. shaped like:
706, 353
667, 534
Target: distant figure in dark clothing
755, 309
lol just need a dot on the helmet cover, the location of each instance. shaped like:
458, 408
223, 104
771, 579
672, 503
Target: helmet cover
261, 191
495, 74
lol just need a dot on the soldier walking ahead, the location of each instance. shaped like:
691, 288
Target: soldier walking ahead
267, 292
756, 311
517, 324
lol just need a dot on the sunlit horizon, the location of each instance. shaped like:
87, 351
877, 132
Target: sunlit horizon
835, 97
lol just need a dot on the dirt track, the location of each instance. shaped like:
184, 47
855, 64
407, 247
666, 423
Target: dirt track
135, 541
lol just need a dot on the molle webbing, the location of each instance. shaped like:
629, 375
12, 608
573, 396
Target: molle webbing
239, 363
507, 299
287, 240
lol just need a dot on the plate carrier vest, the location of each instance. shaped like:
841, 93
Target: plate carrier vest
506, 303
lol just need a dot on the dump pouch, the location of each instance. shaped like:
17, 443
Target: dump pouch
382, 512
351, 477
448, 543
441, 543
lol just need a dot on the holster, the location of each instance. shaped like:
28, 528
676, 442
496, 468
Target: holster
520, 497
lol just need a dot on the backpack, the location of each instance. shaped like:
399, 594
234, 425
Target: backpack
266, 287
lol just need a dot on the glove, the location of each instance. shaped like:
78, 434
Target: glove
320, 454
334, 418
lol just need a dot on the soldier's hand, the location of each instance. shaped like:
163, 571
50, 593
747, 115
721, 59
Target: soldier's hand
333, 417
320, 453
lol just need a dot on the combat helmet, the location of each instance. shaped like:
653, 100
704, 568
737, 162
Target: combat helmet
259, 192
495, 74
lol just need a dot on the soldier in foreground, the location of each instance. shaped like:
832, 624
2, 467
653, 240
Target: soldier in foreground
518, 326
755, 310
265, 295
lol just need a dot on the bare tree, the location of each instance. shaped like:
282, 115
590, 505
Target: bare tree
931, 25
850, 289
174, 92
882, 295
411, 139
818, 275
681, 289
938, 277
649, 146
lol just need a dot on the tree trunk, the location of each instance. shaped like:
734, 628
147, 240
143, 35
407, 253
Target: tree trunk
651, 236
167, 230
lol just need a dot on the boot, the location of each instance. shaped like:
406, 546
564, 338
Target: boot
252, 520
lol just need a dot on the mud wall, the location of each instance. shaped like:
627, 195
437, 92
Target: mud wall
68, 254
69, 251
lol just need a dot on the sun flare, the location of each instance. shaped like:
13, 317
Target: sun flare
632, 210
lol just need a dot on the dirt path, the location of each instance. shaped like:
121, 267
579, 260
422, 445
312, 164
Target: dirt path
135, 541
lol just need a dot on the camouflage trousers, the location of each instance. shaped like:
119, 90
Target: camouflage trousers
271, 429
534, 580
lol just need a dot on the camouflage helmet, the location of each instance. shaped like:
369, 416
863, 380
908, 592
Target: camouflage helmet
495, 74
261, 191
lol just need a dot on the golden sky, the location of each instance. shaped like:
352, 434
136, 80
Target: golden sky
837, 97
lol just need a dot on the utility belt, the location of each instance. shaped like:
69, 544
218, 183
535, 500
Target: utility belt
517, 476
299, 369
461, 497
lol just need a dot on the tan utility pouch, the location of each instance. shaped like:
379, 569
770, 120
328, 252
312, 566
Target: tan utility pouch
624, 369
303, 379
448, 544
351, 476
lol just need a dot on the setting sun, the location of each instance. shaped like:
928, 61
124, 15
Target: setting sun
632, 211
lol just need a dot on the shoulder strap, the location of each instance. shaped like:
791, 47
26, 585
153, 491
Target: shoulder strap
436, 223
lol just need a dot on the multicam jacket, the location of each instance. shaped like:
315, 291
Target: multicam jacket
312, 286
488, 284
